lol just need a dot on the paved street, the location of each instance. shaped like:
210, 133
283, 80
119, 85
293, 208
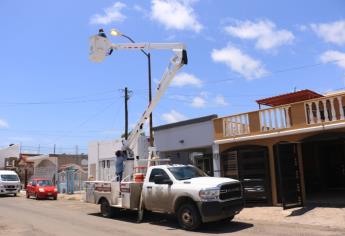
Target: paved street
20, 216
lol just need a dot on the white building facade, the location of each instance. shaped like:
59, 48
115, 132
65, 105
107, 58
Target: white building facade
102, 157
188, 142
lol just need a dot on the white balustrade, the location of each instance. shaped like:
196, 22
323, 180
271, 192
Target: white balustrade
275, 118
325, 110
236, 125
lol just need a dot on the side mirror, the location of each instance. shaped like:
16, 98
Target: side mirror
160, 179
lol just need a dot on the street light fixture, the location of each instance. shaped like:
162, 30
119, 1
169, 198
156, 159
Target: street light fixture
117, 33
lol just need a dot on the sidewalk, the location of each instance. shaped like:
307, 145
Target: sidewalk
321, 216
77, 196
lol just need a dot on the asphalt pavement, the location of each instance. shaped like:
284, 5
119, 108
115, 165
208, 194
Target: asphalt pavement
21, 216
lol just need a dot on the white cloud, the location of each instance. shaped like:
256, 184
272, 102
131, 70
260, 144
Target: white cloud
111, 14
179, 97
198, 102
219, 100
331, 32
3, 124
173, 116
185, 79
175, 14
264, 32
336, 57
141, 10
239, 62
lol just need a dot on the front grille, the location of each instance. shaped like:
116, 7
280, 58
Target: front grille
10, 186
230, 191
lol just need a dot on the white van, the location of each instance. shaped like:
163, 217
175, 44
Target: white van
9, 182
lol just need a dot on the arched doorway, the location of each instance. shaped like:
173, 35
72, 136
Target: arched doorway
250, 165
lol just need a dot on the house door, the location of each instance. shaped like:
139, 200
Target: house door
333, 158
289, 181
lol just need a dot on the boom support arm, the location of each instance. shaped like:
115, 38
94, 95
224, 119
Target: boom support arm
101, 47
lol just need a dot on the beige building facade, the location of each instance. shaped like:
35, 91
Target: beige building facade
290, 153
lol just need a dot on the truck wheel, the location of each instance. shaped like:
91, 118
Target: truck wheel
14, 195
106, 209
27, 195
188, 216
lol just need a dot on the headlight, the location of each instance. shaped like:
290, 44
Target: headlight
55, 189
41, 190
211, 194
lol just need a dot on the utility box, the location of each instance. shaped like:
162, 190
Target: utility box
130, 194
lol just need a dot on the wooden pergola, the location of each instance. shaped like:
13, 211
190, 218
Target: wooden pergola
288, 98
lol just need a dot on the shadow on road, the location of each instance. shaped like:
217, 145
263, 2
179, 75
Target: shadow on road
6, 196
171, 223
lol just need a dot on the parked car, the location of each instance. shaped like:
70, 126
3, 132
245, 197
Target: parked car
41, 188
9, 182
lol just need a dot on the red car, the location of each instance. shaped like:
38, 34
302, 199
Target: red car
41, 188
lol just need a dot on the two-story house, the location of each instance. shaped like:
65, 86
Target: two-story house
291, 152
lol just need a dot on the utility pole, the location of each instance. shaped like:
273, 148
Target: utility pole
127, 96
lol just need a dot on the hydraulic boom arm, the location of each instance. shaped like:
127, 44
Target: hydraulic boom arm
102, 47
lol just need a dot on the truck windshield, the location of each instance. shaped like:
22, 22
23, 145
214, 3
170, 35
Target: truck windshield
44, 183
9, 177
186, 172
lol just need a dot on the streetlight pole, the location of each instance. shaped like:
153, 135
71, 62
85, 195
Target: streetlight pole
148, 56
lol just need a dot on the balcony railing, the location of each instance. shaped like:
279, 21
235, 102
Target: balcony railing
236, 125
292, 116
324, 110
275, 118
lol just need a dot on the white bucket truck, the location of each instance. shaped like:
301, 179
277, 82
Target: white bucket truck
9, 182
183, 190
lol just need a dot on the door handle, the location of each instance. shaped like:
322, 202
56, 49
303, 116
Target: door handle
149, 187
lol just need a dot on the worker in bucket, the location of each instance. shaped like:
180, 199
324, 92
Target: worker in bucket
119, 164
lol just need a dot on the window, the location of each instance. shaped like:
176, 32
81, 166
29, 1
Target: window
9, 177
155, 172
44, 182
186, 172
108, 164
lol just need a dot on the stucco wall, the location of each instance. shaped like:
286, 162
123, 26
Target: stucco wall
12, 151
185, 137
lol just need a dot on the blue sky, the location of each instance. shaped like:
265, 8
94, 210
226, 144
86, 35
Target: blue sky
239, 51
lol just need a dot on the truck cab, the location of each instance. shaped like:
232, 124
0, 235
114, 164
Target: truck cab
9, 182
191, 195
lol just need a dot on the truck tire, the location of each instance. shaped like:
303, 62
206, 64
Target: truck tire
106, 210
188, 216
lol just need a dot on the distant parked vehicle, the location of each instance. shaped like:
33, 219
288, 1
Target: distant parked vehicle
9, 182
41, 189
